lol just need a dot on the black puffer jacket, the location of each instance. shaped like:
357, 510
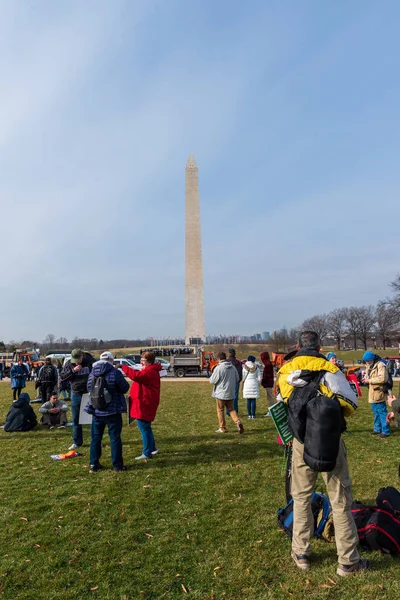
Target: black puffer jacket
78, 380
20, 416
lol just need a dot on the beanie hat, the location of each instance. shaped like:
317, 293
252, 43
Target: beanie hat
330, 355
107, 356
251, 358
368, 355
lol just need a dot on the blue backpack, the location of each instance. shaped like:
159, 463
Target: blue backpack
321, 509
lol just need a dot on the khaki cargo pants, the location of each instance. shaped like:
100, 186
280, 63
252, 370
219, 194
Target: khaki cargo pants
338, 485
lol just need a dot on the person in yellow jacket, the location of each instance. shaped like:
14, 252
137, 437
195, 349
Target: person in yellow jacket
310, 365
376, 376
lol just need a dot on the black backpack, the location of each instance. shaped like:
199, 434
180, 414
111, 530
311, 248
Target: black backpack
379, 526
388, 386
315, 420
100, 396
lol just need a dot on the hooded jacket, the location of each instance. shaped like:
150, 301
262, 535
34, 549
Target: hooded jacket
377, 374
21, 416
225, 379
251, 380
18, 375
48, 374
116, 385
267, 380
145, 391
78, 380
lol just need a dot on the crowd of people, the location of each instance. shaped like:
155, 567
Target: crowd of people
318, 395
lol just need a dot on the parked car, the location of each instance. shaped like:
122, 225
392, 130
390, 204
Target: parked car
135, 358
164, 363
129, 363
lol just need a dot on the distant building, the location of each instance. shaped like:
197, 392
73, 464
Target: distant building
265, 336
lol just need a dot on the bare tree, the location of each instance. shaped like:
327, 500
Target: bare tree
352, 324
337, 325
395, 285
386, 317
49, 340
319, 324
366, 321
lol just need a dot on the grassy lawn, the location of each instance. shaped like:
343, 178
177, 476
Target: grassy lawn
198, 521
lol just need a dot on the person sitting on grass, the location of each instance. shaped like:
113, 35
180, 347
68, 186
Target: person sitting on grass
21, 416
144, 400
54, 412
225, 379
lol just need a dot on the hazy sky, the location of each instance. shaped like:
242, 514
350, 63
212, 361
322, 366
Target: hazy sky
291, 110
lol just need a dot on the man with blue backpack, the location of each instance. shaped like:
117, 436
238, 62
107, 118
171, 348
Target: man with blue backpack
106, 386
319, 397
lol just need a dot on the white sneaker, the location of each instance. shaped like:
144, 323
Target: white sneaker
249, 417
142, 457
268, 414
220, 431
73, 447
155, 452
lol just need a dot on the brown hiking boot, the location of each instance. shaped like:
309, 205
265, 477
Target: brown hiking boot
240, 427
361, 565
383, 435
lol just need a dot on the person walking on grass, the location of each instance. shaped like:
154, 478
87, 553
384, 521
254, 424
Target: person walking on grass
225, 379
251, 385
106, 381
319, 397
144, 400
267, 380
376, 376
76, 371
18, 375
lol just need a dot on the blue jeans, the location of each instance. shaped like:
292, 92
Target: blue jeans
380, 411
251, 407
114, 424
146, 432
77, 434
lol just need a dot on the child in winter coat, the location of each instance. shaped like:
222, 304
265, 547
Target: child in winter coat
251, 385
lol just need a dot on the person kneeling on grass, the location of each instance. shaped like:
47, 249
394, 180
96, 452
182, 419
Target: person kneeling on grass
54, 412
21, 416
225, 379
144, 400
106, 386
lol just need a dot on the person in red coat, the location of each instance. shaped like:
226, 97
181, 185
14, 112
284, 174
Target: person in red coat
267, 380
144, 400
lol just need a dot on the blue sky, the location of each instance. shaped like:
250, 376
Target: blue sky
291, 110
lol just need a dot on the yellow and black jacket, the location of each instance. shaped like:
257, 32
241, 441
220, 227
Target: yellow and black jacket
295, 373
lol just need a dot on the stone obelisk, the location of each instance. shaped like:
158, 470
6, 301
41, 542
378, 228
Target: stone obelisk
195, 324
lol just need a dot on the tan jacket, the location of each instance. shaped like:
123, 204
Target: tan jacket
378, 375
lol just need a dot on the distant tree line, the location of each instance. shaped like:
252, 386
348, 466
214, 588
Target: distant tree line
351, 326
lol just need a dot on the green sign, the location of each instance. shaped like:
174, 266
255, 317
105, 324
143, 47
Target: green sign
279, 412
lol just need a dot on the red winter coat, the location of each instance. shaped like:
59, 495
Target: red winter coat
267, 380
145, 391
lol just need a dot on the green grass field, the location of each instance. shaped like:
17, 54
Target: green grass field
198, 521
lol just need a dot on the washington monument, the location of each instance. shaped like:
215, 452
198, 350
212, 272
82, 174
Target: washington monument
195, 325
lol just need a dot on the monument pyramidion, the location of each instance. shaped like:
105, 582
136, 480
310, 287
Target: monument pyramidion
195, 332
